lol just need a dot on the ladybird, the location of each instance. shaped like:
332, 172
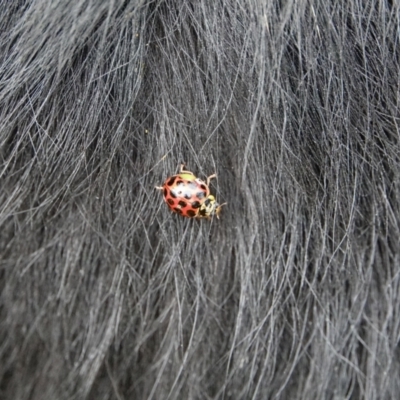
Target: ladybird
190, 196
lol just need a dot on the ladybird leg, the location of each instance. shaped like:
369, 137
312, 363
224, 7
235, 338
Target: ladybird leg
184, 171
210, 177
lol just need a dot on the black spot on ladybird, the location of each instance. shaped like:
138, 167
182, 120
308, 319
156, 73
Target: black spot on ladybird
165, 192
179, 183
170, 201
182, 204
203, 187
171, 181
187, 196
200, 195
173, 194
191, 213
195, 204
178, 210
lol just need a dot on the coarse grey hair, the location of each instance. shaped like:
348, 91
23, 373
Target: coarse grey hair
294, 293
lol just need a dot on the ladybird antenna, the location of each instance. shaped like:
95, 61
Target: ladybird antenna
218, 209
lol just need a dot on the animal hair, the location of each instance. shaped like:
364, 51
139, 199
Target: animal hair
294, 293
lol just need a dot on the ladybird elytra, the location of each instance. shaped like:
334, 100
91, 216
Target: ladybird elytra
189, 196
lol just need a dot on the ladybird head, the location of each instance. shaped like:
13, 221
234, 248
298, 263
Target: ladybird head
209, 207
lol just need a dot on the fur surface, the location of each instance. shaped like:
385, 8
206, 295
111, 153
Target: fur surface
293, 293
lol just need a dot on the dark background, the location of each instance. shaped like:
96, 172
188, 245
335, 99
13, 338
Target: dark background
293, 293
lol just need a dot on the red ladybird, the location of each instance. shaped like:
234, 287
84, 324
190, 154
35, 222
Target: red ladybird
190, 196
